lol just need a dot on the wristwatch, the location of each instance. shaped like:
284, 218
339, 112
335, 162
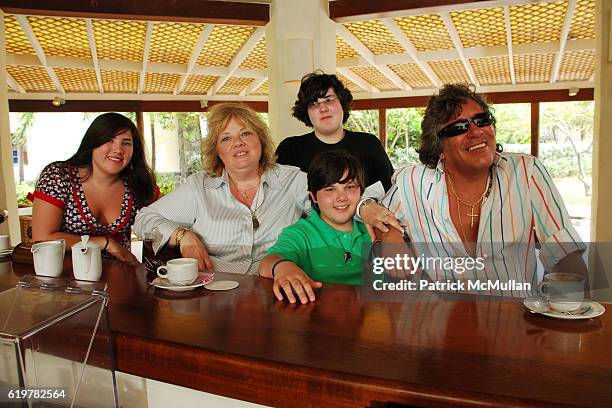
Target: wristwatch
180, 233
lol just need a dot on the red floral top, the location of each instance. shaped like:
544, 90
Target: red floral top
59, 184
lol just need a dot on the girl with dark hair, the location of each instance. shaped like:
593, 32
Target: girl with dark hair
324, 104
98, 190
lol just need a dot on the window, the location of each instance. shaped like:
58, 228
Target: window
403, 135
513, 127
566, 149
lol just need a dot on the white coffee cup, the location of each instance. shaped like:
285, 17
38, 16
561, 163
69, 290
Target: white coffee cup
49, 257
4, 242
180, 270
563, 291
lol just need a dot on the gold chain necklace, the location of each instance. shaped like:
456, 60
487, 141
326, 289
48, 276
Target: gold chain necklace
478, 202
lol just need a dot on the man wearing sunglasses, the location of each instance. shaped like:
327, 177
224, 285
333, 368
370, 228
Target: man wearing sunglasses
469, 200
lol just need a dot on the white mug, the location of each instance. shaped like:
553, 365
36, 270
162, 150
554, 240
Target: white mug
4, 242
49, 257
180, 270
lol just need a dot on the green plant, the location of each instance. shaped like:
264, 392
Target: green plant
165, 182
22, 192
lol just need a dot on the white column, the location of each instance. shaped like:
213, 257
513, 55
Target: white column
300, 38
602, 142
8, 195
601, 225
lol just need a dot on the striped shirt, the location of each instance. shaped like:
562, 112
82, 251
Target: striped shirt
205, 205
523, 206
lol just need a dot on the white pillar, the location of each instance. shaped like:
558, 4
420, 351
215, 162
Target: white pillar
601, 230
300, 38
8, 195
601, 225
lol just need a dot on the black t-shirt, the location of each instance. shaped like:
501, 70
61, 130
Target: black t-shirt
300, 150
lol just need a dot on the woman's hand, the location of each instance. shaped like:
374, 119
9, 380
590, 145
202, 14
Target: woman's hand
192, 247
292, 279
376, 216
120, 252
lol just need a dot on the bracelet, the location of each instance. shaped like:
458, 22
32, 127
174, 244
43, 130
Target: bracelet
179, 236
105, 245
364, 202
276, 264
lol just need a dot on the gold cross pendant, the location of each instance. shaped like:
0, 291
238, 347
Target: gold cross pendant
472, 215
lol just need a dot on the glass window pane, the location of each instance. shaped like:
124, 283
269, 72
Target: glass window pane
173, 141
363, 121
403, 133
566, 149
513, 126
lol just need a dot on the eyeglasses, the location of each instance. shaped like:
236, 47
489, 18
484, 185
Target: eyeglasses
326, 100
461, 126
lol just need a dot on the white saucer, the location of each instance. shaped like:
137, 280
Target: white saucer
222, 285
5, 252
539, 306
164, 283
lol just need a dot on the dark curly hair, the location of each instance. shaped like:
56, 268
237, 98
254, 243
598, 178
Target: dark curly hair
328, 167
440, 109
138, 174
314, 86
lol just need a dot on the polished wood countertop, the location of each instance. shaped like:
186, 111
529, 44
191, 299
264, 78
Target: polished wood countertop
345, 351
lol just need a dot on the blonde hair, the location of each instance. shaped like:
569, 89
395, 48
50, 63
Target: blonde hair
218, 116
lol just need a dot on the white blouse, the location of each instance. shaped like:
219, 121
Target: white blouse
205, 205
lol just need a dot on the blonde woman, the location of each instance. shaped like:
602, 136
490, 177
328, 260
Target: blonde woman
228, 215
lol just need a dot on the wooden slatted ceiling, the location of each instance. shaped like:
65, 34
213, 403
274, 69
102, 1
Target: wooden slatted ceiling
122, 42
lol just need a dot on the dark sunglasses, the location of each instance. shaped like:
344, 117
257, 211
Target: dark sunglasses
461, 126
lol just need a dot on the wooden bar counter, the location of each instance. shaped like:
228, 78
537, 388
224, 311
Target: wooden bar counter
345, 351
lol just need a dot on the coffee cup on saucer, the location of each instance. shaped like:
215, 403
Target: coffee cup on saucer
564, 292
180, 271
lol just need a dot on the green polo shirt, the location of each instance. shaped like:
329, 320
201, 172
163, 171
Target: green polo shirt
319, 249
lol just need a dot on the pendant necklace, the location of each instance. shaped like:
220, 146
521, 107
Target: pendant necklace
245, 194
478, 202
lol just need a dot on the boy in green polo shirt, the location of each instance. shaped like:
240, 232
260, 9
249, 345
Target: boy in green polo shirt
328, 246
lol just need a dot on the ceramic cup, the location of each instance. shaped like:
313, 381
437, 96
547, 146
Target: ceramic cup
563, 291
49, 257
4, 242
180, 270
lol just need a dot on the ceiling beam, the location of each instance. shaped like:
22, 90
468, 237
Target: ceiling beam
40, 53
348, 8
197, 11
14, 84
357, 79
194, 56
560, 95
252, 86
145, 57
78, 102
369, 56
423, 57
405, 42
571, 6
94, 52
240, 56
510, 46
347, 11
452, 31
131, 66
